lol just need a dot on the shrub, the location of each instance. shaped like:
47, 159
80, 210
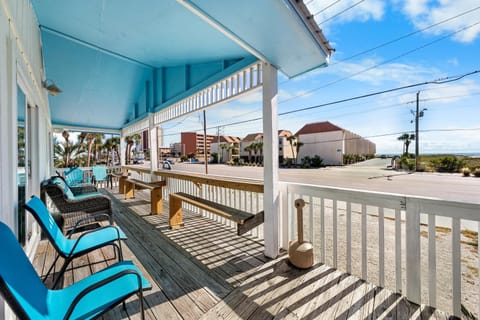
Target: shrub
407, 163
476, 172
449, 164
466, 172
316, 161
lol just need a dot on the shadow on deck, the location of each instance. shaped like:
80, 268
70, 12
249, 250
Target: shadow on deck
206, 271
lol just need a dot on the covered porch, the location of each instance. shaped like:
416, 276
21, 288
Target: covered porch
206, 271
131, 67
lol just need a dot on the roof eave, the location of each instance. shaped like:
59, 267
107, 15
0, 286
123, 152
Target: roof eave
309, 22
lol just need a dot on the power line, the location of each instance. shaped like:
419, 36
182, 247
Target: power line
327, 7
443, 80
341, 12
396, 39
405, 36
380, 64
439, 81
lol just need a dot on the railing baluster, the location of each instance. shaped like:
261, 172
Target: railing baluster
310, 212
413, 251
398, 250
381, 247
335, 232
322, 226
456, 268
432, 262
364, 241
349, 236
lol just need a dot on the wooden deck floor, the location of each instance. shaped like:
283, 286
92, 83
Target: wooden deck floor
206, 271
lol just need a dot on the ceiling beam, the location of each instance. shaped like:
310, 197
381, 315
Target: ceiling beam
220, 27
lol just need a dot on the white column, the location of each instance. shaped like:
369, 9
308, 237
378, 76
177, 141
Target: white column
122, 148
153, 137
270, 168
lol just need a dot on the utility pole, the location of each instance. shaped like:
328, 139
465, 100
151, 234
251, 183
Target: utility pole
418, 114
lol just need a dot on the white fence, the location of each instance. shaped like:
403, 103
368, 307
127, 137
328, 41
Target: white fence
417, 246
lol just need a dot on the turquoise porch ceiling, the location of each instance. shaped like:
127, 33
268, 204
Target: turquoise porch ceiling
117, 60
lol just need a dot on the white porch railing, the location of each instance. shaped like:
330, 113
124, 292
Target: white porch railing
417, 246
248, 201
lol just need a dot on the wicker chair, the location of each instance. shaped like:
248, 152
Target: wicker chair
77, 205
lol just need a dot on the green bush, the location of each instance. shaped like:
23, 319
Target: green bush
407, 163
476, 172
449, 164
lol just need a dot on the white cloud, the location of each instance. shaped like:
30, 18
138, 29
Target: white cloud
364, 11
452, 92
399, 73
424, 13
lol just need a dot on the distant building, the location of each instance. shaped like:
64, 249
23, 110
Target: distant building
284, 147
176, 149
227, 147
331, 143
250, 139
193, 142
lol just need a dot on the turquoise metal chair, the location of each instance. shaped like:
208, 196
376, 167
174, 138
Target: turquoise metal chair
73, 176
23, 290
69, 248
100, 175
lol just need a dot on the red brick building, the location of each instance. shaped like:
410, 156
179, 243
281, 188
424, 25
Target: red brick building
192, 142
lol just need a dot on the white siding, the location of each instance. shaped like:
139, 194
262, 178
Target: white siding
21, 64
328, 145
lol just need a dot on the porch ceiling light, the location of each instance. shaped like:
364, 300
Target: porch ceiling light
51, 87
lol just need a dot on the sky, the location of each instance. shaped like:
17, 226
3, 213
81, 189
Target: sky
379, 45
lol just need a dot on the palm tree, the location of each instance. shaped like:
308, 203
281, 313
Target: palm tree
229, 152
60, 154
223, 146
110, 145
249, 149
254, 147
298, 145
131, 140
67, 150
407, 139
260, 148
291, 140
98, 146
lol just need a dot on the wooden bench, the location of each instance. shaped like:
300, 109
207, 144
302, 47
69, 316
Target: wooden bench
245, 220
155, 188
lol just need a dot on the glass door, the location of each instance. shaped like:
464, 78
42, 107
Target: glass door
21, 166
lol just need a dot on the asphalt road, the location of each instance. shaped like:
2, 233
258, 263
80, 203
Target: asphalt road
372, 175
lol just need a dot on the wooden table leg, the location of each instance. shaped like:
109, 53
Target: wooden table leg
129, 190
175, 219
156, 200
121, 184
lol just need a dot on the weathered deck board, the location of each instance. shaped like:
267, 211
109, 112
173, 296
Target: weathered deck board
206, 271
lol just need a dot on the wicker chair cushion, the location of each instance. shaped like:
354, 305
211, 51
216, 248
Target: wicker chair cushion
86, 195
64, 186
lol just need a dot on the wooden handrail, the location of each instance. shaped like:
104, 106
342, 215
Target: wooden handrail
212, 180
217, 181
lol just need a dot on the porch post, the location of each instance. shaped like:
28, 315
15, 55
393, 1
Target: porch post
270, 170
152, 135
122, 147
